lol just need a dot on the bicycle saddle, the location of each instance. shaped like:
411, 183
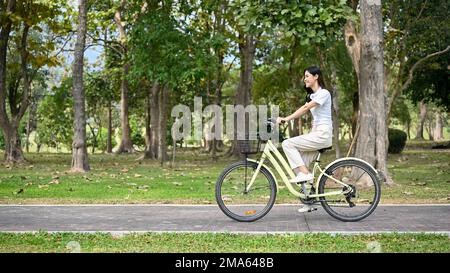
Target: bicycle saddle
325, 149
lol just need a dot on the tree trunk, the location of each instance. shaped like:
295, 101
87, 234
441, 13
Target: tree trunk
110, 130
438, 129
164, 99
79, 149
247, 49
152, 147
336, 123
430, 131
148, 139
408, 129
126, 146
4, 38
422, 117
372, 138
353, 44
27, 139
13, 152
218, 101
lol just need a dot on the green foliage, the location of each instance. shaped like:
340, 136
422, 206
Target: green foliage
414, 30
100, 139
312, 22
55, 116
401, 112
160, 51
137, 136
397, 141
431, 83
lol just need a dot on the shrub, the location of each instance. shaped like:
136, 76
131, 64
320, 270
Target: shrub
397, 141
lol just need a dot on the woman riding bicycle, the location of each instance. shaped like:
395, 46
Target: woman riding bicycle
301, 150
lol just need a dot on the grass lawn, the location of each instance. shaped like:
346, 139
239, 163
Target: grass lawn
421, 176
208, 242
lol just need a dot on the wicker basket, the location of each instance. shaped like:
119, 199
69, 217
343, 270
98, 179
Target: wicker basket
250, 145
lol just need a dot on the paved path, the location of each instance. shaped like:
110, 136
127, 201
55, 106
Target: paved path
187, 218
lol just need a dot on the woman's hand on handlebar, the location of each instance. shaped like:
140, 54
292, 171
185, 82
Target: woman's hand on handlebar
281, 120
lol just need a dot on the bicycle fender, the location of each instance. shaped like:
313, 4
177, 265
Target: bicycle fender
352, 158
268, 169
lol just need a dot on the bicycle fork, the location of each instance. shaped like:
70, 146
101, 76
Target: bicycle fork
247, 188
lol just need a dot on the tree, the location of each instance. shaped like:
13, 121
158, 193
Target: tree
417, 43
79, 149
20, 21
55, 116
299, 23
126, 146
372, 141
163, 57
353, 44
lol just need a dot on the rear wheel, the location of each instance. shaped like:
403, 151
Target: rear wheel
240, 203
364, 187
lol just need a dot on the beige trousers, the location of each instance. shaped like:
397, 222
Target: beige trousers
301, 150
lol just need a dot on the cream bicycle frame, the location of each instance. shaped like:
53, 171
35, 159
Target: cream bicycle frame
274, 156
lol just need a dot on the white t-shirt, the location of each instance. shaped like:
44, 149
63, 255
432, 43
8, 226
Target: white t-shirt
322, 112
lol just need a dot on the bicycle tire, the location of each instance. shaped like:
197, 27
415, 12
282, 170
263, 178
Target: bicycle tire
367, 170
223, 206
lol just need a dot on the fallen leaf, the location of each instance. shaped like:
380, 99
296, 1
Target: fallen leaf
125, 170
43, 186
55, 182
407, 193
226, 198
177, 183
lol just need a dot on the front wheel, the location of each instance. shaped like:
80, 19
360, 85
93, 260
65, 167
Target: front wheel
238, 198
362, 193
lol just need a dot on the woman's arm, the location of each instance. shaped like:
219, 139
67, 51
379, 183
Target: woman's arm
300, 111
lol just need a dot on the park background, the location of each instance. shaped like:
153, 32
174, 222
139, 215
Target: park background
85, 101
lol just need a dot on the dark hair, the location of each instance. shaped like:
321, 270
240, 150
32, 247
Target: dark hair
313, 70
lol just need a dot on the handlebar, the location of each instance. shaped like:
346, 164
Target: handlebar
270, 123
273, 121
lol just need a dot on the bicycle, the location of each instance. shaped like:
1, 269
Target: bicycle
246, 190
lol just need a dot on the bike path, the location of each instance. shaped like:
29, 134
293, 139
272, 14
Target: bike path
122, 219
